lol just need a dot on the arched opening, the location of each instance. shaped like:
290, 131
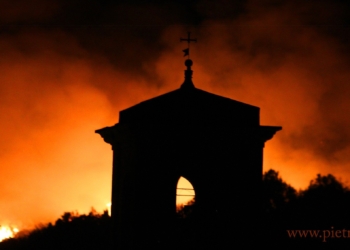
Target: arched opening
185, 197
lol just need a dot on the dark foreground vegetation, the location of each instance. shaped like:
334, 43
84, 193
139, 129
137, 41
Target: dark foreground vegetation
318, 217
71, 231
322, 211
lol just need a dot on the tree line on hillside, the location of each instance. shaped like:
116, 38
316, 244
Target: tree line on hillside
71, 231
323, 206
322, 209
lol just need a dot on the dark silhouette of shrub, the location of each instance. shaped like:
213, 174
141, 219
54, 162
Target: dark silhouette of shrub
71, 231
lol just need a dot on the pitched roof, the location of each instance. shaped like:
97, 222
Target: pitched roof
191, 105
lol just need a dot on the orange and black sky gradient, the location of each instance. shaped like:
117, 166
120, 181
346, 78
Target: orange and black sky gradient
68, 67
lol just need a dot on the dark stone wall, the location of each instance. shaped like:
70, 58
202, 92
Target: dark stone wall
217, 160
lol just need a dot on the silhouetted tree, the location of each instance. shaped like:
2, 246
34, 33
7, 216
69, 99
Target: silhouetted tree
277, 201
276, 193
185, 210
325, 203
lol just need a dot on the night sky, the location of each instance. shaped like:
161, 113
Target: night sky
68, 67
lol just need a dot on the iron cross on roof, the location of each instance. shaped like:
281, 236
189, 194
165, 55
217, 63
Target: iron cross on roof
188, 40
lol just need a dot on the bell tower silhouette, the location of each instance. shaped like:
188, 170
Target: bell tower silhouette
214, 142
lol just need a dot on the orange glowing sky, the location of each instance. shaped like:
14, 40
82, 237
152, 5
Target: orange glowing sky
64, 74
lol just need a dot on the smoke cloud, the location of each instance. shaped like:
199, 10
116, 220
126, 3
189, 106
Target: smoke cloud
68, 68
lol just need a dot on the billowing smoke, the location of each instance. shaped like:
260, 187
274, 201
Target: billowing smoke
67, 68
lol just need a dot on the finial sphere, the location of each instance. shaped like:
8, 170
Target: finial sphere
188, 63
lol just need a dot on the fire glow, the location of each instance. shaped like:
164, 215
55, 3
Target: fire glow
58, 84
7, 232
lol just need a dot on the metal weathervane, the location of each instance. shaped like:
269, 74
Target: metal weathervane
188, 40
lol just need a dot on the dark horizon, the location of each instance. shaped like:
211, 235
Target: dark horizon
285, 212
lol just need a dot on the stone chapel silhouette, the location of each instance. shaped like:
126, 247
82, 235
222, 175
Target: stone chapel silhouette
214, 142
